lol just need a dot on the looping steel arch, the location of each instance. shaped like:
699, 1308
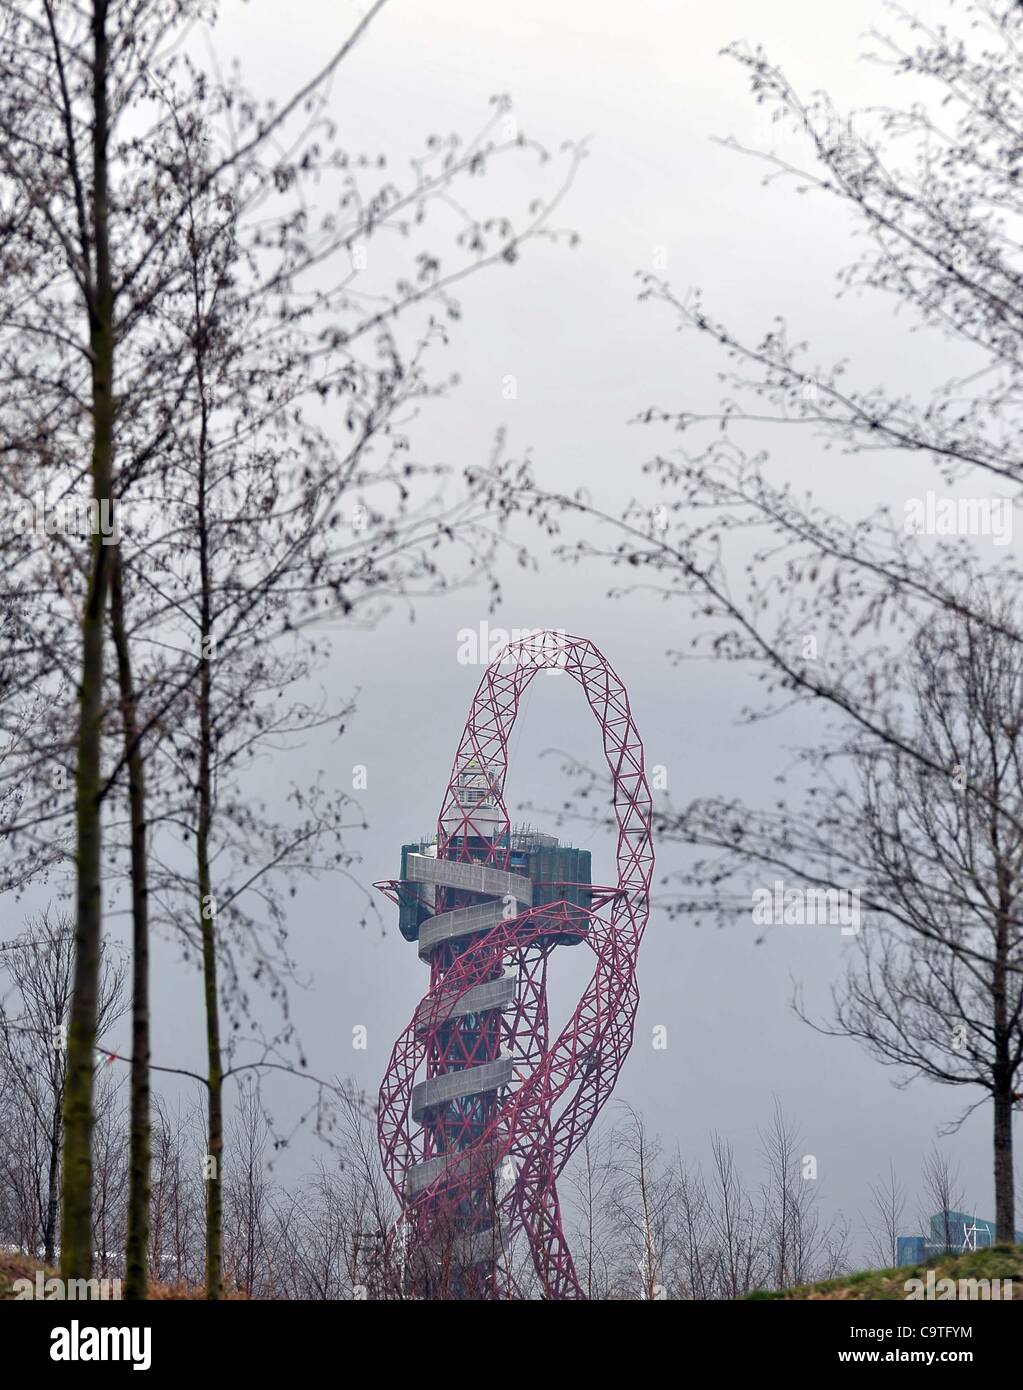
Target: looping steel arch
502, 1105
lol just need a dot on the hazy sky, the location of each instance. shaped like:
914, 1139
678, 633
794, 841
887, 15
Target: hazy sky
646, 83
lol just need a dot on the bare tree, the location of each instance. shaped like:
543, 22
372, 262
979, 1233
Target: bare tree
175, 1254
737, 1225
590, 1178
937, 985
885, 1222
800, 1247
170, 197
640, 1200
251, 1235
825, 610
692, 1236
34, 1015
942, 1195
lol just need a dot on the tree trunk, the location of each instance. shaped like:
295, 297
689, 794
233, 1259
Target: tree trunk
136, 1252
207, 905
76, 1224
53, 1181
1005, 1194
1002, 1078
214, 1074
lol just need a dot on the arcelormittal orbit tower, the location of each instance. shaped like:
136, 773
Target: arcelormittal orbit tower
481, 1108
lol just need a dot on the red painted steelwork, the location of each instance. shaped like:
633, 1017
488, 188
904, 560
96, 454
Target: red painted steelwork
497, 1153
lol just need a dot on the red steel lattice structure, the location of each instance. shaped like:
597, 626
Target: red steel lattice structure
473, 1150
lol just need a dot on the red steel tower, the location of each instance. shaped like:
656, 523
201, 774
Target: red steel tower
480, 1109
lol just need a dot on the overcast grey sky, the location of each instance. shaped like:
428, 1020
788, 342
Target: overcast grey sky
645, 81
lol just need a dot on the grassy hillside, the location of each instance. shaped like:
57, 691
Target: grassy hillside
997, 1262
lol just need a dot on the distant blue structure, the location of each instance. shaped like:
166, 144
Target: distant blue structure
963, 1233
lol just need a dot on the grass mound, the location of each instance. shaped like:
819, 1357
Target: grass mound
996, 1262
